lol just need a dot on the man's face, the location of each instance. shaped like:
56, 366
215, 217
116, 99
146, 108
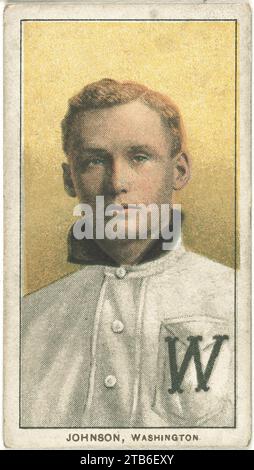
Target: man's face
124, 154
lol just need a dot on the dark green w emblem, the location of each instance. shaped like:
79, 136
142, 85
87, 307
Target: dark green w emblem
193, 351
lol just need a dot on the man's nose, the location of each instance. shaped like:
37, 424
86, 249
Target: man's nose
119, 175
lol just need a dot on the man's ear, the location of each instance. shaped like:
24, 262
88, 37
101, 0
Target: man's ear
68, 183
182, 171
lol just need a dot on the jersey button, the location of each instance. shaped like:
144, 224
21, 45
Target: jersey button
110, 381
120, 272
117, 326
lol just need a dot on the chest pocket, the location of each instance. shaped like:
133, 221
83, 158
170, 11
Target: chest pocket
195, 378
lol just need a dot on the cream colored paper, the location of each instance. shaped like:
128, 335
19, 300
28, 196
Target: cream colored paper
200, 56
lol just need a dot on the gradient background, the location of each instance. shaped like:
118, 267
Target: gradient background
192, 62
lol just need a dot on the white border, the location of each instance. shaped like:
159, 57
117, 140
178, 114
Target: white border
56, 438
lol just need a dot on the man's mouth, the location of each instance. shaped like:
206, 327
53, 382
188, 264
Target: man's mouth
126, 206
124, 209
130, 206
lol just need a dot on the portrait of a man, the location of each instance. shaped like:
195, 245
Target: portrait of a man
139, 336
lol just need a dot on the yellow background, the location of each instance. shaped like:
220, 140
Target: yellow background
192, 62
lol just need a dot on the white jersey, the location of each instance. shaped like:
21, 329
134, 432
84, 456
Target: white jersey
95, 350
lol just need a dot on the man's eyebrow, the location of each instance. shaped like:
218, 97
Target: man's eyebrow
94, 151
141, 148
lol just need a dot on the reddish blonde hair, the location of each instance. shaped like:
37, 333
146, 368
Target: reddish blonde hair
107, 92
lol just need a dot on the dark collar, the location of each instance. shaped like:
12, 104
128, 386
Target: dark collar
89, 253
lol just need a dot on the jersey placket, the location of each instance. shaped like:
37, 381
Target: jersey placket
116, 351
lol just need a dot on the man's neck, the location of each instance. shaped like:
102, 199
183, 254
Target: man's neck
129, 252
114, 252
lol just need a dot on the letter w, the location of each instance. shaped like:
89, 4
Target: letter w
177, 376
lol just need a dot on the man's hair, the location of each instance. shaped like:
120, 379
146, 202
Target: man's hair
107, 93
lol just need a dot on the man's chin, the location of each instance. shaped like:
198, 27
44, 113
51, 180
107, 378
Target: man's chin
126, 228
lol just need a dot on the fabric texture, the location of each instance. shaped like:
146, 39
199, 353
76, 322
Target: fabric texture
93, 349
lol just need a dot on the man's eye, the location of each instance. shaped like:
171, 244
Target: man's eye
96, 162
141, 158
